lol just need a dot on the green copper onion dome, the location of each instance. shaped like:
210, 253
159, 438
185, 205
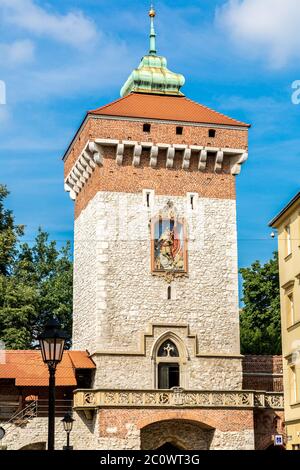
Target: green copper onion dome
152, 75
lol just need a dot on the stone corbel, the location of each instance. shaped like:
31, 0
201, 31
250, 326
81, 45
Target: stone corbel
219, 160
88, 159
120, 154
78, 175
97, 152
153, 156
202, 160
137, 152
85, 165
186, 159
170, 157
84, 173
69, 189
237, 163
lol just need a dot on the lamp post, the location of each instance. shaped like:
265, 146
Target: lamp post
52, 342
68, 425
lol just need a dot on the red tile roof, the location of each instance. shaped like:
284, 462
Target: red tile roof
28, 368
162, 107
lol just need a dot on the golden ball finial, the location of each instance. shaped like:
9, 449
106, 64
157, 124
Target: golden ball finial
152, 12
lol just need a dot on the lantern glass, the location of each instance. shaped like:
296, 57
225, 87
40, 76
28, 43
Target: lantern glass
52, 342
52, 349
68, 423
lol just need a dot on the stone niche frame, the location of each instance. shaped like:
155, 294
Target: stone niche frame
172, 273
181, 360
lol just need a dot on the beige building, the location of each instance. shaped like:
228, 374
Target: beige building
287, 222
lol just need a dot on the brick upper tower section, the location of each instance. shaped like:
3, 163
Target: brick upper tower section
167, 143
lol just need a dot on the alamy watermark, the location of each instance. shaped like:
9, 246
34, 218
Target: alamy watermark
296, 93
2, 92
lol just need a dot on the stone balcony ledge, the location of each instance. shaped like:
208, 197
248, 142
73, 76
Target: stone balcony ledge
177, 397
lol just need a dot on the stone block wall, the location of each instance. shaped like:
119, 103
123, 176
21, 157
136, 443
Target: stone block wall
117, 299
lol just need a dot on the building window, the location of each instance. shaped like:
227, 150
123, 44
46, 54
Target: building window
168, 349
179, 130
146, 127
293, 382
168, 375
288, 240
148, 198
169, 293
211, 133
296, 447
290, 310
192, 201
168, 365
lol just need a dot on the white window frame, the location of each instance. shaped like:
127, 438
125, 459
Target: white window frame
294, 391
288, 240
291, 309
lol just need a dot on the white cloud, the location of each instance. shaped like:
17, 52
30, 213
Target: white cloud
73, 28
268, 29
4, 116
18, 52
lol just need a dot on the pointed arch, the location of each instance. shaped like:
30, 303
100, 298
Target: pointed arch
179, 343
169, 370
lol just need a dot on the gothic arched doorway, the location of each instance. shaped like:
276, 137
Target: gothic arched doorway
169, 448
176, 434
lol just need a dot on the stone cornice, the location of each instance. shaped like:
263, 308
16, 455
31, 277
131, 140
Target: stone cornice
93, 154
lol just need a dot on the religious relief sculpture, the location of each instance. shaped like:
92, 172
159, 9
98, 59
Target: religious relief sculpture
168, 246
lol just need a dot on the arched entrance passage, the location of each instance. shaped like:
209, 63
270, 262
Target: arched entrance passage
176, 434
168, 448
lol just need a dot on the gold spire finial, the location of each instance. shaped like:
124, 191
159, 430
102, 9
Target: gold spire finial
152, 12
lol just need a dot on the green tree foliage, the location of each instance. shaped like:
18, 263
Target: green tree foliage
260, 316
35, 283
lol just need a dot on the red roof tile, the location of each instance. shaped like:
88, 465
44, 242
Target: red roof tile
28, 368
162, 107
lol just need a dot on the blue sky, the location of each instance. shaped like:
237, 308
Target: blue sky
59, 59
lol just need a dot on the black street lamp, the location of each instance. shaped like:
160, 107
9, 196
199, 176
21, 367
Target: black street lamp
68, 425
52, 342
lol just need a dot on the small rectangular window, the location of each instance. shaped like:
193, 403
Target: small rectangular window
294, 392
146, 127
168, 375
288, 240
179, 130
148, 198
290, 310
192, 201
169, 293
212, 133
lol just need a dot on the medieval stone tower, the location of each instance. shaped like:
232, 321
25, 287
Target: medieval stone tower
155, 261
